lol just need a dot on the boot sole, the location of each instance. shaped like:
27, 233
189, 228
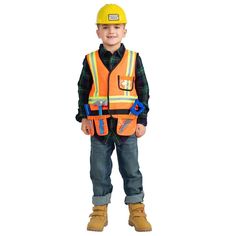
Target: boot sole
139, 230
97, 230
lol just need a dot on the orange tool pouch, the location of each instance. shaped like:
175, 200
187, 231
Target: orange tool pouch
91, 128
126, 124
100, 123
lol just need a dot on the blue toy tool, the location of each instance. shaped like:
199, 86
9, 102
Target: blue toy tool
100, 104
137, 104
87, 109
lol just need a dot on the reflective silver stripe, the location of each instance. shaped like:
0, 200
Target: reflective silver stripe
92, 59
130, 67
113, 99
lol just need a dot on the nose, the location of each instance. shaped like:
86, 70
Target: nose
111, 29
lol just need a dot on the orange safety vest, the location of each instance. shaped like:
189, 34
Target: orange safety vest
114, 91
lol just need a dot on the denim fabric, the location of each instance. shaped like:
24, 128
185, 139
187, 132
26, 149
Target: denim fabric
101, 167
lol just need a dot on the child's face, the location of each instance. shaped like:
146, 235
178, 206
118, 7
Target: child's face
111, 35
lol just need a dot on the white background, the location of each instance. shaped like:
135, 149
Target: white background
188, 154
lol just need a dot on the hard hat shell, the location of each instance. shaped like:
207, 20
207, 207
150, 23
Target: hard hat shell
111, 14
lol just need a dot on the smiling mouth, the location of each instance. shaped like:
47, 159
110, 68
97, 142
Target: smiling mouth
111, 37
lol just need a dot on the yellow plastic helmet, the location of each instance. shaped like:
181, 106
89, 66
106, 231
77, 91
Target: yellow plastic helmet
111, 14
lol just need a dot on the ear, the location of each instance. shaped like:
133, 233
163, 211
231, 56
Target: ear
125, 32
98, 33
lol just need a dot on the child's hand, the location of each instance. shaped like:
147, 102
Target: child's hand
140, 130
86, 126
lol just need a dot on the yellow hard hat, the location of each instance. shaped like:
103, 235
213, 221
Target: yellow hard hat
111, 14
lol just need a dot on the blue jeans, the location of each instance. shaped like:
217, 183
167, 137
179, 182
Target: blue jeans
101, 167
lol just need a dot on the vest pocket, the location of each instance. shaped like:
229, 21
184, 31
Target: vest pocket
126, 83
126, 125
101, 125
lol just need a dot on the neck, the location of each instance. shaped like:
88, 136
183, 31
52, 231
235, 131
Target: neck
112, 48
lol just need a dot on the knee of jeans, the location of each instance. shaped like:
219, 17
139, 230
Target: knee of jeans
98, 171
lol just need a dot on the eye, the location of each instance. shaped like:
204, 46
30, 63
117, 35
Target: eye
105, 27
117, 27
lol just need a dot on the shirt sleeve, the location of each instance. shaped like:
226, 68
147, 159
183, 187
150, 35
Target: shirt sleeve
84, 87
142, 89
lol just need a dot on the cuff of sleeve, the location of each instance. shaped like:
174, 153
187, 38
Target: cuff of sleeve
79, 118
142, 121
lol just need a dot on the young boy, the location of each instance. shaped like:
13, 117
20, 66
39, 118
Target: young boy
113, 107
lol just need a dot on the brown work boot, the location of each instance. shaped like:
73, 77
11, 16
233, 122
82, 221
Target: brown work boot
138, 218
98, 218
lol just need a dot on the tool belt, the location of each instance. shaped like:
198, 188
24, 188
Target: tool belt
126, 119
126, 124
